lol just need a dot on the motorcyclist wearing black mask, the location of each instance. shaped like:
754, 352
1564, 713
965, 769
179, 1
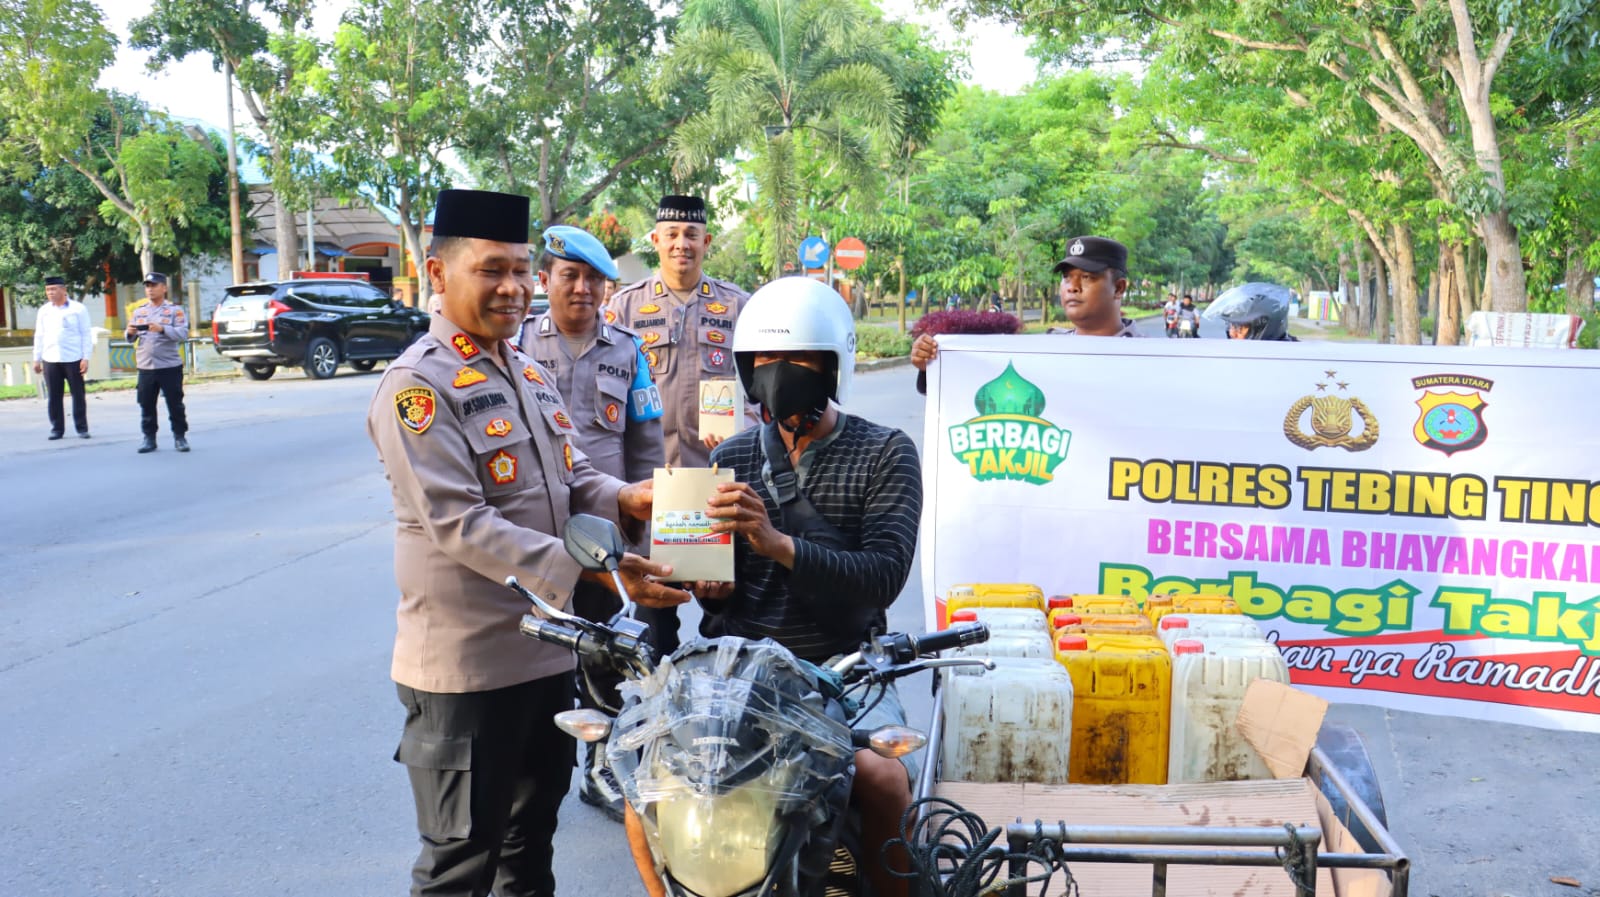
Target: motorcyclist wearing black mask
826, 506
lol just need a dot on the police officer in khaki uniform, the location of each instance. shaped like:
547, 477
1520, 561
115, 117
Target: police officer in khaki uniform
686, 322
1094, 277
478, 449
601, 371
158, 330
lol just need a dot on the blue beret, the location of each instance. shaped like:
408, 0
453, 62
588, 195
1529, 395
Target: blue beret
577, 245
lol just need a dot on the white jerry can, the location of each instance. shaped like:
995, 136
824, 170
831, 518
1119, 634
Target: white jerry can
1009, 724
1209, 678
1176, 626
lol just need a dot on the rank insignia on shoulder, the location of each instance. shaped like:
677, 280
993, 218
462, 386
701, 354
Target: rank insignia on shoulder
610, 316
498, 427
612, 412
659, 288
464, 346
566, 455
503, 467
415, 407
562, 420
467, 377
650, 309
716, 308
705, 288
716, 336
531, 374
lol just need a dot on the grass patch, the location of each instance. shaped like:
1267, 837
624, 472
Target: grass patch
116, 384
881, 342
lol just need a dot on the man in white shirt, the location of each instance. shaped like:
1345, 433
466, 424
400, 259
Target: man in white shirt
61, 345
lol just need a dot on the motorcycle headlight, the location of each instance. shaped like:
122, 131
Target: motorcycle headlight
719, 845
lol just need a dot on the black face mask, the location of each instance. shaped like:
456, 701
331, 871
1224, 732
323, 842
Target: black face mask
785, 389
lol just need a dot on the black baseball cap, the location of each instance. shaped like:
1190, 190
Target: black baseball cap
1094, 254
155, 277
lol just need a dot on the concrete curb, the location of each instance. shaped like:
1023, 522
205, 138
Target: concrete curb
879, 364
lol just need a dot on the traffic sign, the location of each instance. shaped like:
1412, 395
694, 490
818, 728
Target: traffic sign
850, 254
813, 252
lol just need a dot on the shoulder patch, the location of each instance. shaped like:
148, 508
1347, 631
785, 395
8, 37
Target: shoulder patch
467, 377
464, 345
415, 407
610, 316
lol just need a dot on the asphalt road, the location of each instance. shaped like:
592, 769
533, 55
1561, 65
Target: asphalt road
194, 693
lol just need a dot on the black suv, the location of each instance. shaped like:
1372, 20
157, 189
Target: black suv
314, 323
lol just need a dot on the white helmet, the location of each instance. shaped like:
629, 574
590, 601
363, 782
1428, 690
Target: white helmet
796, 314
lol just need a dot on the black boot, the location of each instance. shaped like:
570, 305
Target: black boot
180, 443
149, 445
600, 788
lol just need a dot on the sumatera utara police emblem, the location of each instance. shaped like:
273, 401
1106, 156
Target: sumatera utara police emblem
1009, 440
1451, 421
415, 407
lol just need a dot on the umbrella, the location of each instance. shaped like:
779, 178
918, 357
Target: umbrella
1238, 301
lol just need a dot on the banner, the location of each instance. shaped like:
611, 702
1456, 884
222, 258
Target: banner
1415, 527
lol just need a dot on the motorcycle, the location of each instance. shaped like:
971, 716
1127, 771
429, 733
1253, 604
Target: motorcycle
737, 756
1171, 316
1188, 326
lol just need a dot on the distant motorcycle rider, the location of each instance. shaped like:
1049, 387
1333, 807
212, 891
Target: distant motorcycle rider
1258, 311
1188, 322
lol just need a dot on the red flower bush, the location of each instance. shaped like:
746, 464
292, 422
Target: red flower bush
964, 321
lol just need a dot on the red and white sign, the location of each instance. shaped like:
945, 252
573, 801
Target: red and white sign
850, 254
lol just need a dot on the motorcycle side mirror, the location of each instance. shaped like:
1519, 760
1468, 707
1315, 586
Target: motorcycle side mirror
594, 542
588, 726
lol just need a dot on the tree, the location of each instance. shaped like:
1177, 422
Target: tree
1426, 69
561, 107
151, 175
267, 44
394, 87
784, 77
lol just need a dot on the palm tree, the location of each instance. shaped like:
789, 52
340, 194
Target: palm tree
783, 75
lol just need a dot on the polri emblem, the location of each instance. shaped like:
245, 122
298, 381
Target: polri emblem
716, 308
415, 407
716, 336
651, 338
611, 412
465, 347
532, 375
498, 427
562, 420
503, 467
610, 316
1451, 421
467, 377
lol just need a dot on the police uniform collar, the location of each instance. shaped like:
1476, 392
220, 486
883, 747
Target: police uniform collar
701, 291
547, 327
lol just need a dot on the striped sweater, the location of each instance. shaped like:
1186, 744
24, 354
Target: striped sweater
866, 480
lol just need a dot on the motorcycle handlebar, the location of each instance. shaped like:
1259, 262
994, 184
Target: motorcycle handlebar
548, 631
955, 637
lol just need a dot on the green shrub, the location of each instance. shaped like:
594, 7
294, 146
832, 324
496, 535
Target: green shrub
1426, 325
881, 342
1590, 337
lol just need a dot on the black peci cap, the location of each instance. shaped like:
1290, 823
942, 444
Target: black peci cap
1094, 254
55, 281
681, 208
481, 215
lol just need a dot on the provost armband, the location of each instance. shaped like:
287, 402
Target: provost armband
644, 399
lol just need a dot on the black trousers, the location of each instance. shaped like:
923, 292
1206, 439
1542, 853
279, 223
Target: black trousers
169, 383
664, 624
488, 772
59, 374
